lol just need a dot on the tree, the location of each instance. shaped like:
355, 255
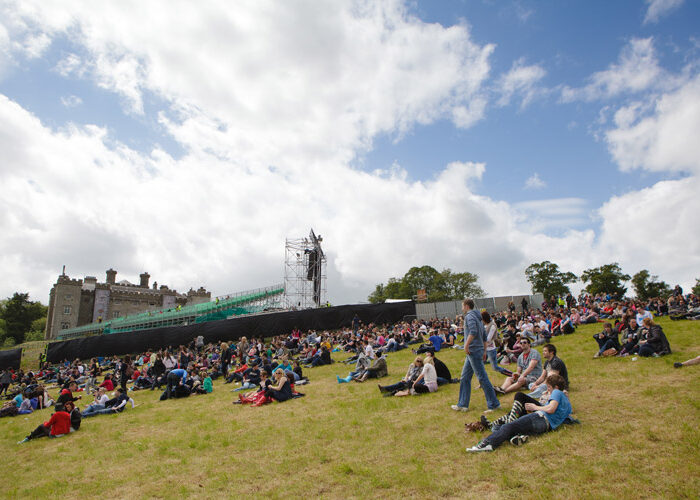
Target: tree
647, 286
696, 288
547, 279
460, 285
19, 313
439, 286
607, 279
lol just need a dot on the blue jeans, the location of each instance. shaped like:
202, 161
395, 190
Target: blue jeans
474, 363
93, 410
493, 360
530, 424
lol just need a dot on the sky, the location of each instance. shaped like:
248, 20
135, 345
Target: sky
189, 140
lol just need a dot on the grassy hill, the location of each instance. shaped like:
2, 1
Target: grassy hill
639, 438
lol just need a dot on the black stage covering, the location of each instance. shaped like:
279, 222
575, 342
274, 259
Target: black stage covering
11, 358
261, 325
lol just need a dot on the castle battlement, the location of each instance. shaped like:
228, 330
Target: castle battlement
109, 299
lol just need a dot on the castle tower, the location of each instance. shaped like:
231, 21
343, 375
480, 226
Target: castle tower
64, 306
111, 276
144, 279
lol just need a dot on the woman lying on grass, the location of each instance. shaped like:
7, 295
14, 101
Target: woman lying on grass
538, 420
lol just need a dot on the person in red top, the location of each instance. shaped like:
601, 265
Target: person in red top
108, 384
57, 425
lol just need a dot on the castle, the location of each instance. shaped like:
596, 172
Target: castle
77, 302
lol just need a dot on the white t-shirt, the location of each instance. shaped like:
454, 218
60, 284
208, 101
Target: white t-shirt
643, 314
101, 400
429, 374
491, 333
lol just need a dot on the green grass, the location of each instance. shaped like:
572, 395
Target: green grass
638, 439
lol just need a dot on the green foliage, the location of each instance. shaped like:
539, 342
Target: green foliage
19, 313
547, 279
696, 288
606, 279
439, 286
647, 286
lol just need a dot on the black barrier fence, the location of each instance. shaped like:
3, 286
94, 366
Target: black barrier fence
262, 325
11, 358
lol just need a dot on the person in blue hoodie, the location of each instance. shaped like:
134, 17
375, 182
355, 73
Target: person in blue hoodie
538, 420
474, 344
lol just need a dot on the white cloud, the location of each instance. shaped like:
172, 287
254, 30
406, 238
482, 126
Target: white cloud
520, 80
540, 215
271, 103
534, 182
660, 8
662, 136
637, 70
71, 101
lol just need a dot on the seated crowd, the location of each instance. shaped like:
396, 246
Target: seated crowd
272, 370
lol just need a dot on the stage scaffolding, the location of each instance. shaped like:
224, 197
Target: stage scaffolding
304, 272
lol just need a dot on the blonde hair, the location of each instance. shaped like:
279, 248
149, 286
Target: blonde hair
429, 360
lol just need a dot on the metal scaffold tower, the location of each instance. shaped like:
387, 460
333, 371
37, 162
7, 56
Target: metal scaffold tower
304, 272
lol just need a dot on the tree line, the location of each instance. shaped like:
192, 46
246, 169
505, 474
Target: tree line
21, 320
544, 277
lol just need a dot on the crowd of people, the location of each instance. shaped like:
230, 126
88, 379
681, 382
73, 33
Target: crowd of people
272, 370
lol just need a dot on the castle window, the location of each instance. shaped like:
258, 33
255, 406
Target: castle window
68, 296
117, 301
115, 314
65, 326
66, 310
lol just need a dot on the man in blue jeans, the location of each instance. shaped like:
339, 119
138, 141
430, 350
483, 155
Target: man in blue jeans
474, 341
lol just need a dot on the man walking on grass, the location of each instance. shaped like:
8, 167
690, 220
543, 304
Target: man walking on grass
474, 341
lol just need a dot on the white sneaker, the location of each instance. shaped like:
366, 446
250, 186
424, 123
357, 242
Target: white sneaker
481, 446
518, 440
459, 408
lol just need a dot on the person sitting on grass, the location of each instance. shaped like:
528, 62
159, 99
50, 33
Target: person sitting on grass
108, 383
205, 386
655, 342
251, 378
538, 419
589, 317
281, 389
630, 337
425, 382
101, 399
377, 369
361, 365
553, 364
58, 425
529, 369
414, 370
433, 344
114, 405
322, 357
607, 339
443, 373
